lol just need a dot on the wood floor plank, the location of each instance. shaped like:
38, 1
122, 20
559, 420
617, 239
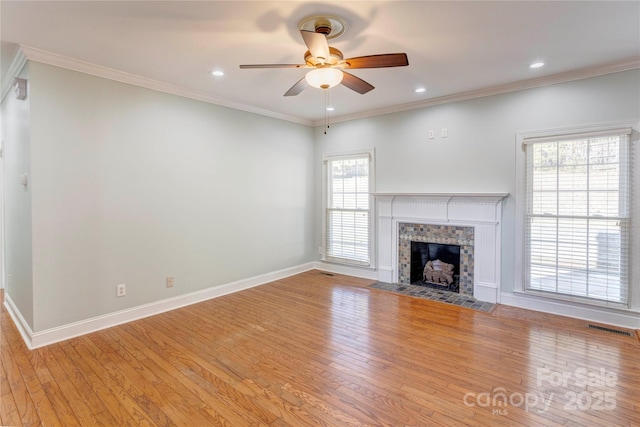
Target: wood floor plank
320, 350
78, 398
116, 411
186, 398
204, 375
30, 365
93, 405
9, 415
133, 414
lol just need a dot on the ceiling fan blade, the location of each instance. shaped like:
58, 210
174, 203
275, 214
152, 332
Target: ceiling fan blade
297, 88
317, 45
378, 61
355, 83
273, 66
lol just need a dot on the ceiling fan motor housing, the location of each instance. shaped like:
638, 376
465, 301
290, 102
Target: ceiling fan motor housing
335, 56
323, 27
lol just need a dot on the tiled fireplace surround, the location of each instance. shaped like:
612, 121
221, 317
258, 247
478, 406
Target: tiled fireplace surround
471, 220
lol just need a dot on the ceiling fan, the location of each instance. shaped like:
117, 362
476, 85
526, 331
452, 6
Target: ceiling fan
327, 63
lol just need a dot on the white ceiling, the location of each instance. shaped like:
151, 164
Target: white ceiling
453, 46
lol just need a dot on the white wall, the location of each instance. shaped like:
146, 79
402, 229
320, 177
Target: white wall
479, 153
131, 185
17, 202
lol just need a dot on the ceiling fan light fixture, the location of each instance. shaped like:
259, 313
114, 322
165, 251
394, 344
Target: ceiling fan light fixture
324, 78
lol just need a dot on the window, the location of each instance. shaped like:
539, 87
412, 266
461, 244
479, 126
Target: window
347, 212
577, 226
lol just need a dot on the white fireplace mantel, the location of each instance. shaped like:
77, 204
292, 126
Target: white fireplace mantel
482, 211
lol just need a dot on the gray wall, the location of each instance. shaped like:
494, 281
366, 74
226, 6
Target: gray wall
479, 153
131, 185
17, 201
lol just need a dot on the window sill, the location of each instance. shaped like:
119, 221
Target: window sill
624, 317
335, 261
575, 301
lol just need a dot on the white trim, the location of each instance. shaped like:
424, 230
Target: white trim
574, 136
611, 316
44, 57
17, 64
21, 324
520, 194
624, 126
634, 242
349, 270
520, 199
598, 70
60, 333
486, 292
347, 155
445, 198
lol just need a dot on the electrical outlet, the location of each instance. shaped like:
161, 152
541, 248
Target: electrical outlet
121, 290
169, 281
431, 134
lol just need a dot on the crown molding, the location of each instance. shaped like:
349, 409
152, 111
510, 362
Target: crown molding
33, 54
585, 73
42, 56
16, 66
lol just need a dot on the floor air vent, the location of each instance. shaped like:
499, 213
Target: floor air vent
614, 331
326, 274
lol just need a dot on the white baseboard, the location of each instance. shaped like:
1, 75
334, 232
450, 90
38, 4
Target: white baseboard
18, 320
610, 316
64, 332
622, 318
361, 272
386, 274
487, 292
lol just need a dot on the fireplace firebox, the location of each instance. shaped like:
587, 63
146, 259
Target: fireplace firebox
435, 265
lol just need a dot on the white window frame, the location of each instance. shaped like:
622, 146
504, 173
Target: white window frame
633, 301
370, 153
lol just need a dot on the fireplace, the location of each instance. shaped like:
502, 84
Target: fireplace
435, 265
452, 242
471, 221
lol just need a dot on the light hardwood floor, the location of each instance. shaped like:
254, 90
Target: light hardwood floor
325, 350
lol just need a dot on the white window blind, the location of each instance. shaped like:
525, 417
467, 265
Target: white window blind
577, 216
347, 214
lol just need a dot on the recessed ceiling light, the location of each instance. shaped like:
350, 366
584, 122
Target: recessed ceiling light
330, 108
217, 73
537, 65
420, 90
